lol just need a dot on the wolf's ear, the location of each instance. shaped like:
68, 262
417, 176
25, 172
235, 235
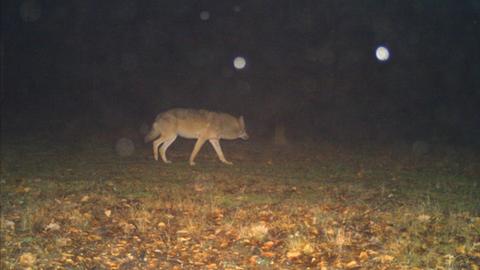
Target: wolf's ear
242, 122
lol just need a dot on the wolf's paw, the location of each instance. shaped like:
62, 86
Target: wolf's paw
167, 161
227, 162
192, 163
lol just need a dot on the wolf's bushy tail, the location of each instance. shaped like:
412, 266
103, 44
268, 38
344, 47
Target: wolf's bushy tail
154, 133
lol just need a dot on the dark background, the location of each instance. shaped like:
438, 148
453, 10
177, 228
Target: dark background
84, 67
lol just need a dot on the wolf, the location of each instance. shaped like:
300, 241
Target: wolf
202, 125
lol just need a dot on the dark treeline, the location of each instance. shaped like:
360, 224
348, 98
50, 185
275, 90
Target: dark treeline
310, 65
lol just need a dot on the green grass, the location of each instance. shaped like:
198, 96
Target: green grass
303, 206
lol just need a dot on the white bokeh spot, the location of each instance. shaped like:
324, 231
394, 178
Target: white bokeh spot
204, 15
239, 62
382, 53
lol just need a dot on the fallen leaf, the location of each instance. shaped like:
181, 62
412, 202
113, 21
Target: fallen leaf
267, 245
253, 260
67, 255
63, 241
127, 227
8, 224
22, 189
352, 264
308, 249
53, 226
330, 231
212, 266
474, 266
85, 198
363, 256
224, 243
108, 212
338, 264
27, 259
385, 258
199, 187
268, 254
460, 249
182, 232
322, 265
293, 254
94, 237
183, 239
423, 218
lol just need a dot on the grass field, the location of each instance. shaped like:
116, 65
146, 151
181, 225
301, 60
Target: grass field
312, 206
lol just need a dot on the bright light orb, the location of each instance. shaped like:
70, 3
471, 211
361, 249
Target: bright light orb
239, 62
204, 15
382, 53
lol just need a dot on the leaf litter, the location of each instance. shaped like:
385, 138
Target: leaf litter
257, 216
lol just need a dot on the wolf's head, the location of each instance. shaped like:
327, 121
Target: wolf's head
230, 127
242, 131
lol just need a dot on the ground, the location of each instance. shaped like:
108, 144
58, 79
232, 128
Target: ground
319, 205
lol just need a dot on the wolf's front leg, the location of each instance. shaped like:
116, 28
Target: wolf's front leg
218, 149
198, 146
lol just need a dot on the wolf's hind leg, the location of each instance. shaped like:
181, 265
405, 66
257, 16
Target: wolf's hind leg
155, 145
163, 149
218, 149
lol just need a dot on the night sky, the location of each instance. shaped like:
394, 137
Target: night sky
85, 67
